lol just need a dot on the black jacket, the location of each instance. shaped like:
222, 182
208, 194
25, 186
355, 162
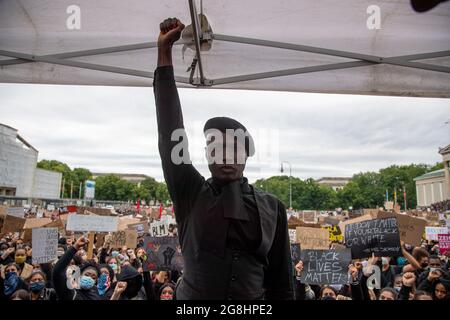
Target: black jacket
210, 271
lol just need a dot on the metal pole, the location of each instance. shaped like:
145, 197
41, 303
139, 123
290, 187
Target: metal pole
71, 189
404, 195
197, 34
290, 181
79, 193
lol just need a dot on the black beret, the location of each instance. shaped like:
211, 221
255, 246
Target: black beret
425, 5
224, 123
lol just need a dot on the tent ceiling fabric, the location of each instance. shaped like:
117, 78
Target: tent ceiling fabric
37, 29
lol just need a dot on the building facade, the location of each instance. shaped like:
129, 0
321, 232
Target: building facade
434, 186
336, 183
19, 176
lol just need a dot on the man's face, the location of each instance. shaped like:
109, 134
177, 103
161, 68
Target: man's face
435, 263
226, 158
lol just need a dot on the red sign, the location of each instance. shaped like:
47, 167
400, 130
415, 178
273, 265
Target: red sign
72, 208
444, 243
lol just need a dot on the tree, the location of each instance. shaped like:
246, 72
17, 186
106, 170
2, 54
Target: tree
150, 185
162, 194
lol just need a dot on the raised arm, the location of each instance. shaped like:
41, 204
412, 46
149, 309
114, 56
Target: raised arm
183, 181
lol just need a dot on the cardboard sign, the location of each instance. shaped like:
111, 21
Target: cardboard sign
78, 222
31, 223
16, 212
334, 233
444, 243
431, 233
96, 211
141, 227
56, 224
12, 224
3, 211
379, 236
292, 235
332, 221
389, 205
295, 253
372, 212
325, 266
50, 207
162, 253
126, 238
313, 238
309, 216
411, 229
45, 245
159, 229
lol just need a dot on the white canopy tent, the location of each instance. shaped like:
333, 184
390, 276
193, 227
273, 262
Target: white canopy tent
325, 46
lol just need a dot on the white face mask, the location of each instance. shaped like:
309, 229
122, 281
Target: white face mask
384, 261
433, 269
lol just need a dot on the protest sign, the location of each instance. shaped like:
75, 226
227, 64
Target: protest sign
78, 222
410, 228
332, 221
295, 253
141, 227
16, 212
56, 224
338, 246
40, 213
312, 238
309, 216
444, 243
44, 244
325, 266
97, 211
99, 239
126, 238
12, 224
159, 229
389, 205
3, 211
342, 224
334, 233
31, 223
379, 236
50, 207
372, 212
292, 235
431, 233
162, 253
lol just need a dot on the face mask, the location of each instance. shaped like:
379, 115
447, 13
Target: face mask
86, 282
11, 282
113, 266
20, 260
384, 261
433, 269
103, 283
401, 261
37, 286
167, 297
115, 253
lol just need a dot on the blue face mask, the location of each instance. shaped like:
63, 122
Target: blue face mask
401, 261
86, 282
37, 286
115, 253
103, 283
113, 266
11, 282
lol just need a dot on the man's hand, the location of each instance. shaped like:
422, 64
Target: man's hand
408, 279
81, 242
353, 271
170, 32
120, 288
299, 268
434, 275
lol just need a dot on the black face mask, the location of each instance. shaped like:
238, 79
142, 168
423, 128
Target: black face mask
133, 287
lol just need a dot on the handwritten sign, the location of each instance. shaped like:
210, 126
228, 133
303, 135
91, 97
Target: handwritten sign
159, 229
334, 233
313, 238
325, 266
444, 243
162, 253
431, 233
379, 236
410, 228
126, 238
78, 222
295, 253
16, 212
45, 245
389, 205
292, 235
141, 227
309, 216
12, 224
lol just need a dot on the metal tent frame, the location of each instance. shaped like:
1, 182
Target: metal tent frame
408, 61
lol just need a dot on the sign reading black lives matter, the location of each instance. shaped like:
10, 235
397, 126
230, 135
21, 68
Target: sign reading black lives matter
325, 266
379, 236
162, 253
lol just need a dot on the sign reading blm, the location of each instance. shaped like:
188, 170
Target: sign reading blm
325, 266
378, 236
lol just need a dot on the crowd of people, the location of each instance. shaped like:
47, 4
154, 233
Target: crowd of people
111, 274
420, 273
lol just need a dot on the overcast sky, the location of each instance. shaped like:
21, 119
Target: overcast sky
113, 129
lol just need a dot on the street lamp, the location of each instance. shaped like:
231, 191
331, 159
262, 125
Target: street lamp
290, 182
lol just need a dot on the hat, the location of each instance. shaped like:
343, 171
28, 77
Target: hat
425, 5
224, 123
